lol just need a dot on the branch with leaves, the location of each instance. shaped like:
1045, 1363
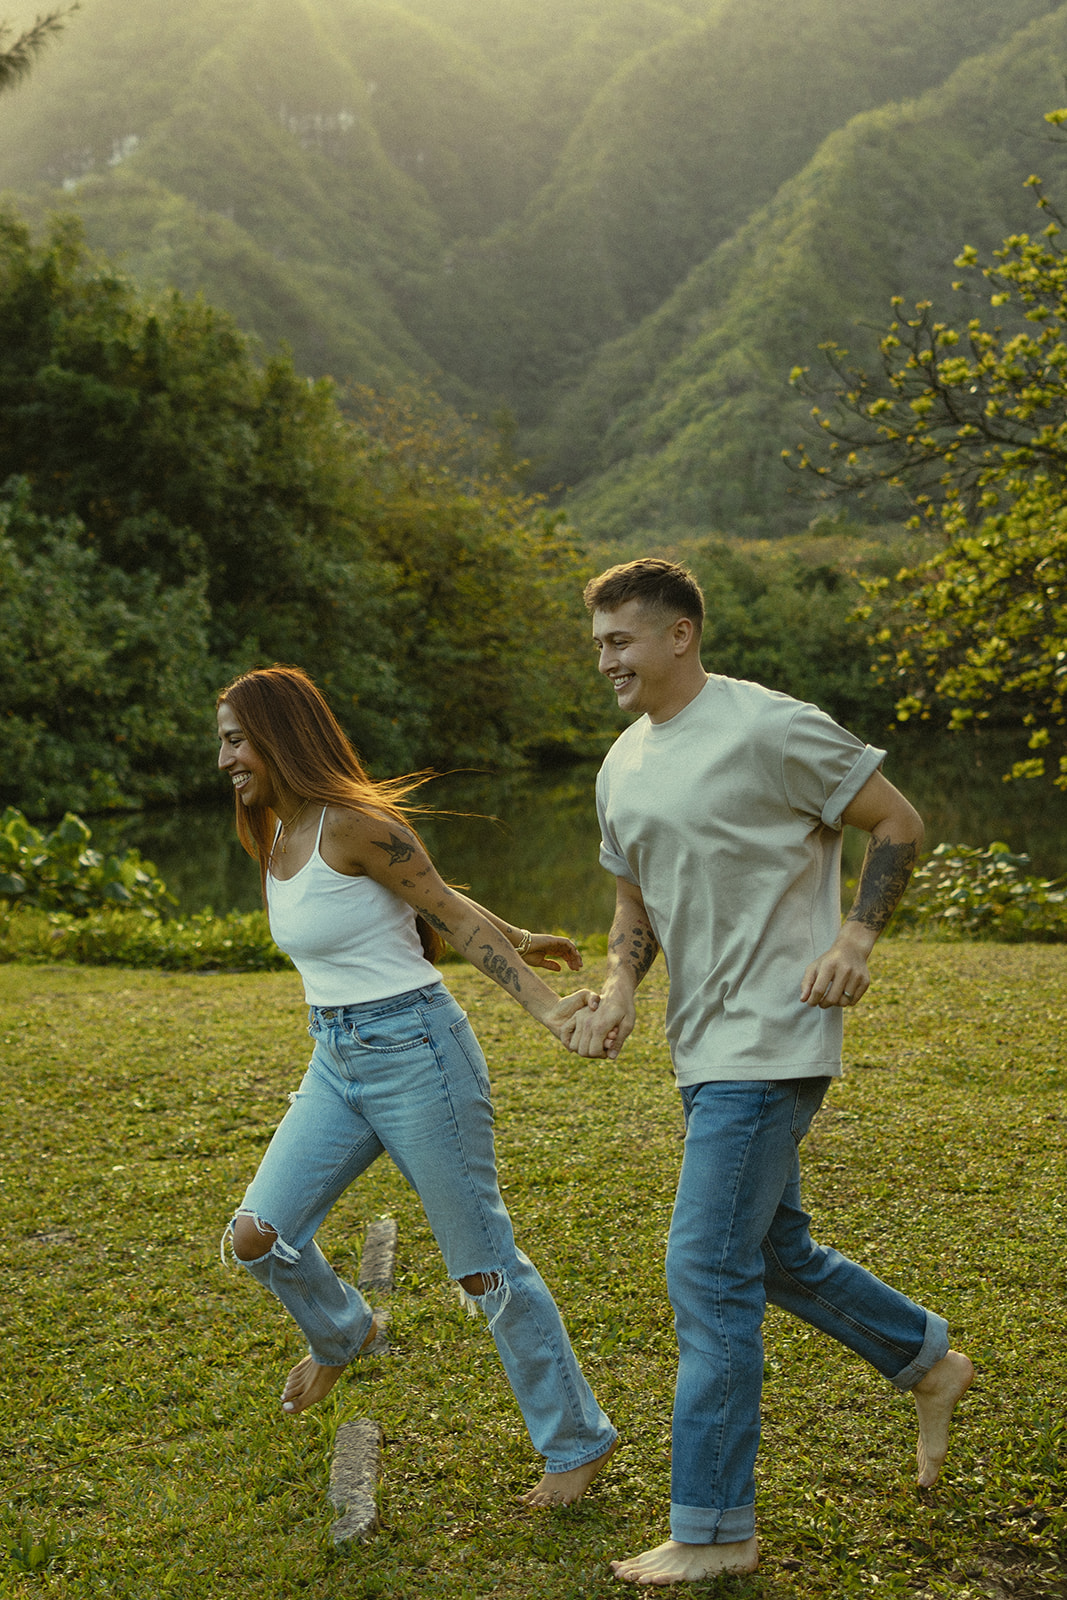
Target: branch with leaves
957, 420
17, 58
969, 426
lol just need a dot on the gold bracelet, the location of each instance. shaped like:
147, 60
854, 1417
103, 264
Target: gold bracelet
524, 943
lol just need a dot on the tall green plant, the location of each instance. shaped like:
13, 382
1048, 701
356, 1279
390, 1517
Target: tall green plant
60, 871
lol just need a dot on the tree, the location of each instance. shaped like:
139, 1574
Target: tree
231, 501
968, 428
185, 458
17, 58
489, 636
106, 689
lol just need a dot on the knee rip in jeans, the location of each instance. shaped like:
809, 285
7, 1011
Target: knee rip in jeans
478, 1289
273, 1243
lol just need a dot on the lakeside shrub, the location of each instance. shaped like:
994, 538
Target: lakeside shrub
122, 938
59, 871
984, 894
61, 900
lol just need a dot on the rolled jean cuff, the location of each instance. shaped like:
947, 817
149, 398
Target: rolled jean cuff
934, 1348
706, 1525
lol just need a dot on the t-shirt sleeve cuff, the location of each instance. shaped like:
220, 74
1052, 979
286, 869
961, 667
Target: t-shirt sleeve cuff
616, 865
867, 764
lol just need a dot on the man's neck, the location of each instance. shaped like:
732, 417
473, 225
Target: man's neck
684, 694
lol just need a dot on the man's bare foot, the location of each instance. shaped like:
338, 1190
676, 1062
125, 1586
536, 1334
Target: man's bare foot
674, 1562
936, 1397
564, 1488
309, 1382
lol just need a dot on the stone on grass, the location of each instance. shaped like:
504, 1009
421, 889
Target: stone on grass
379, 1255
354, 1479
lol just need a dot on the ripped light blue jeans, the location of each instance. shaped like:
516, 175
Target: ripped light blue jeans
407, 1076
739, 1237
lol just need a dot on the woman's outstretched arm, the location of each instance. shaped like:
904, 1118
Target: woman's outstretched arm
368, 844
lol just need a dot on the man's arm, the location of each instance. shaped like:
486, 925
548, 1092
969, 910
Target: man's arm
632, 948
840, 976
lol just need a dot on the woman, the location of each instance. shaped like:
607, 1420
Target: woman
356, 902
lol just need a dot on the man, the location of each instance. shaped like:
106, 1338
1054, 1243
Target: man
721, 811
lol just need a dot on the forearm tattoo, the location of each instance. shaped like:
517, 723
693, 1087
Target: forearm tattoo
397, 849
500, 968
435, 921
887, 868
636, 946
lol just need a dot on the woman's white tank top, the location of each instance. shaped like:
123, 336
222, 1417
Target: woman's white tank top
350, 939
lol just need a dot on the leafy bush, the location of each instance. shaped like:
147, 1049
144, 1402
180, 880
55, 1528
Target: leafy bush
107, 677
121, 938
60, 872
984, 894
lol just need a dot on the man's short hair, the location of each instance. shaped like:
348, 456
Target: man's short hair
662, 585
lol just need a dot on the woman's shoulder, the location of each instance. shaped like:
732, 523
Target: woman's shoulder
359, 834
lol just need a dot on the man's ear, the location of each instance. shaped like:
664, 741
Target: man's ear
683, 635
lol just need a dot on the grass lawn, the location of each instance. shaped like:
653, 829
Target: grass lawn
143, 1450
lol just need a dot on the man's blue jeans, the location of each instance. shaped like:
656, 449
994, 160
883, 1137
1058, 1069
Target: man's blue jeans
739, 1238
407, 1076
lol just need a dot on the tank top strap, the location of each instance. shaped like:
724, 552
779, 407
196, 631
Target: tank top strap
318, 836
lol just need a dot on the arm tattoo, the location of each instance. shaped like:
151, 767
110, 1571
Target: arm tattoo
886, 870
435, 921
398, 850
637, 948
500, 968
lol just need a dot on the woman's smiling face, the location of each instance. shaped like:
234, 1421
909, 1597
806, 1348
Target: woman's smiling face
238, 756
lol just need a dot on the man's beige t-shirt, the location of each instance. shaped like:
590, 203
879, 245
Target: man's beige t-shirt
728, 820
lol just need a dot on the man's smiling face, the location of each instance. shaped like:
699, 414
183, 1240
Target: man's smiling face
641, 652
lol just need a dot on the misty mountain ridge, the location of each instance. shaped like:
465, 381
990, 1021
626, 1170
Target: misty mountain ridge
623, 221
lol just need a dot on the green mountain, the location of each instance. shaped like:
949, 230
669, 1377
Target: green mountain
678, 427
684, 142
623, 221
306, 163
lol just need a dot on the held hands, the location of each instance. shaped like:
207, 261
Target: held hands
840, 976
602, 1028
562, 1018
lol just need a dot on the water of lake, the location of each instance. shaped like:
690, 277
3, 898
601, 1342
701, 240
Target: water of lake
527, 844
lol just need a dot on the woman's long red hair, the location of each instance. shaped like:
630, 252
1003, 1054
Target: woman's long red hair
293, 729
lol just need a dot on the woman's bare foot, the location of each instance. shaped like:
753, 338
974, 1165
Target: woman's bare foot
674, 1562
564, 1488
309, 1382
936, 1396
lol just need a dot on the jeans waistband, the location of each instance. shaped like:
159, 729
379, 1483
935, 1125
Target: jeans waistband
365, 1008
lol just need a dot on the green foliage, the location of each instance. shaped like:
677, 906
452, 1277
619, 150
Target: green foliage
783, 613
681, 146
961, 420
984, 894
18, 55
110, 936
977, 634
106, 672
487, 629
183, 457
184, 512
59, 871
496, 194
970, 424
